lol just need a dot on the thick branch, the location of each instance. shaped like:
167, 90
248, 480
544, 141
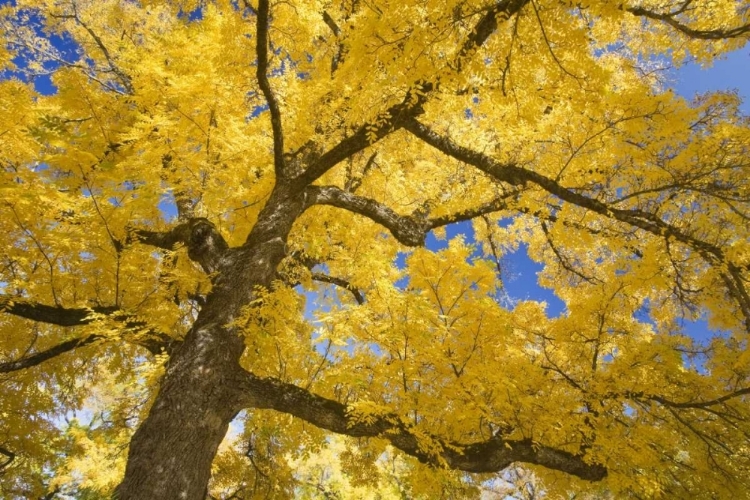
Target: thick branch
261, 49
339, 56
505, 172
155, 342
52, 315
492, 455
651, 223
669, 18
331, 23
485, 27
10, 457
412, 104
513, 174
204, 243
409, 231
42, 356
358, 141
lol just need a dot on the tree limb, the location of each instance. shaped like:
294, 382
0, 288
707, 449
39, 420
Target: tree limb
10, 457
331, 23
492, 455
53, 315
300, 258
513, 174
698, 404
339, 56
411, 106
501, 11
499, 203
155, 342
669, 18
261, 49
340, 282
354, 182
409, 231
42, 356
124, 79
651, 223
161, 344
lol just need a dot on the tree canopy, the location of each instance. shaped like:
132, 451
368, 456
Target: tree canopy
216, 212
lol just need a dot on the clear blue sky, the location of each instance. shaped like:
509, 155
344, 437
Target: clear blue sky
730, 73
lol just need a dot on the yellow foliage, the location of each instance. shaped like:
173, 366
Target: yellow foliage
124, 122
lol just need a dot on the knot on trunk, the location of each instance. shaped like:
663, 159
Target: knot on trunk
204, 242
410, 231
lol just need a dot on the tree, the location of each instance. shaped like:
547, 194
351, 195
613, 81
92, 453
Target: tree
197, 170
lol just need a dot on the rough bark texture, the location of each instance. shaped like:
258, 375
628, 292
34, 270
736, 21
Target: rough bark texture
204, 387
171, 452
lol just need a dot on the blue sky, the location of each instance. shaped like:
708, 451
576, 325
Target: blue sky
729, 73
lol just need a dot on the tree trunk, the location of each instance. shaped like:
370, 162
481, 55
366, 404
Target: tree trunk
171, 453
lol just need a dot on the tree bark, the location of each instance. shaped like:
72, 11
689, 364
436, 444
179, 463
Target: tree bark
170, 454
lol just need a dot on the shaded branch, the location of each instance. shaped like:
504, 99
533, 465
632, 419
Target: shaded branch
354, 182
53, 315
501, 11
42, 356
304, 260
499, 203
10, 456
505, 172
261, 49
702, 404
669, 18
359, 140
513, 174
409, 230
155, 342
340, 282
331, 23
492, 455
204, 243
340, 52
185, 206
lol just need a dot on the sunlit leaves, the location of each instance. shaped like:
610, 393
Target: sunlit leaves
639, 224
